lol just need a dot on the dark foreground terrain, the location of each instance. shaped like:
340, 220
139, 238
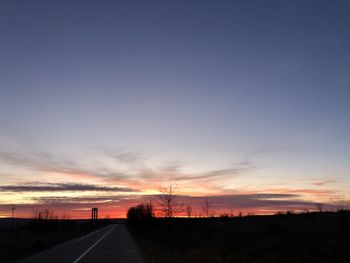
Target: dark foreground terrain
311, 237
23, 237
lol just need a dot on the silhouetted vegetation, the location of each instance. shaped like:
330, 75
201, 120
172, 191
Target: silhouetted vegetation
309, 237
140, 214
167, 201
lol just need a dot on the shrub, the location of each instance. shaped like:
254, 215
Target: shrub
140, 213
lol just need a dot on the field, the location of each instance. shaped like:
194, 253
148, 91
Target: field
311, 237
23, 237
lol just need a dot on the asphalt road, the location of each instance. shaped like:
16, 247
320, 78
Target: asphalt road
112, 243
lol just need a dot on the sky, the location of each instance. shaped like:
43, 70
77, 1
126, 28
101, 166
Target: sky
102, 103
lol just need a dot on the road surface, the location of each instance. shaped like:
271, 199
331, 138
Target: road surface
112, 243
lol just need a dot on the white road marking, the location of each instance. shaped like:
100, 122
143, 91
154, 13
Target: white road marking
116, 252
92, 246
81, 238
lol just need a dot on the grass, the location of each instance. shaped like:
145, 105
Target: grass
312, 237
24, 236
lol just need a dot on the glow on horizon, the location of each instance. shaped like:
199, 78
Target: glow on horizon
76, 204
245, 103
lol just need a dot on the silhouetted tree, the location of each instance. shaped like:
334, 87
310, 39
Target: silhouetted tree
189, 211
319, 207
224, 215
65, 216
207, 208
341, 203
45, 214
142, 212
167, 201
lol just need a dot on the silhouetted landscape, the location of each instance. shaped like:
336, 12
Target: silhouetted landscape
309, 237
286, 237
183, 131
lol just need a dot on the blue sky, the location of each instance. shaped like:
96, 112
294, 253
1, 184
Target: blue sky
197, 85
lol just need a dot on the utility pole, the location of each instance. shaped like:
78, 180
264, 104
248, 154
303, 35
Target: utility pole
12, 211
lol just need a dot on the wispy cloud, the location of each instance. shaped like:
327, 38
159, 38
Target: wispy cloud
175, 173
25, 106
117, 205
136, 175
301, 191
48, 162
252, 201
229, 172
62, 187
123, 156
324, 182
41, 161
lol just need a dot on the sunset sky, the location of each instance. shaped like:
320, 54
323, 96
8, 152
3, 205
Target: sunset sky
104, 102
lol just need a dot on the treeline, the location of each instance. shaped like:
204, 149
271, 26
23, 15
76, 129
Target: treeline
168, 206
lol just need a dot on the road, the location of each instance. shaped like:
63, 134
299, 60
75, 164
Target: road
112, 243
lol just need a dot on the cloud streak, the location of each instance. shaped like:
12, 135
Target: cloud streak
321, 183
117, 206
230, 172
47, 162
135, 168
62, 187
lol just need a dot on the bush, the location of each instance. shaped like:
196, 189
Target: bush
140, 213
